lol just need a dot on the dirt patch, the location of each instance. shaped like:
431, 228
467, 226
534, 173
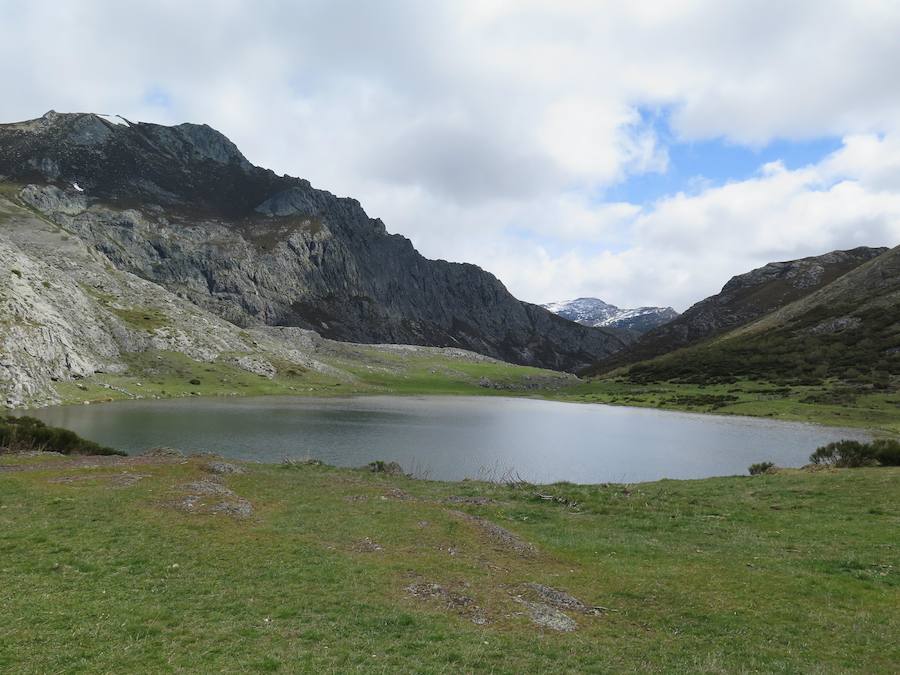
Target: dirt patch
454, 601
500, 536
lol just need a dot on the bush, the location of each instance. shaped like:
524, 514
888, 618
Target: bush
23, 434
887, 451
846, 454
195, 381
390, 468
760, 468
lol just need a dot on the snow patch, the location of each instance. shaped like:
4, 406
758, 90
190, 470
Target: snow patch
114, 119
77, 187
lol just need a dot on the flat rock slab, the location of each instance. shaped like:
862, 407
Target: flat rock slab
547, 616
500, 535
452, 600
562, 600
224, 468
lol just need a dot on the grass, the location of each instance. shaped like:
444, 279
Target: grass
792, 572
832, 402
170, 374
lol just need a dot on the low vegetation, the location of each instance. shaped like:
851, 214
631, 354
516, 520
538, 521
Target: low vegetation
27, 434
760, 468
832, 402
864, 354
134, 565
850, 454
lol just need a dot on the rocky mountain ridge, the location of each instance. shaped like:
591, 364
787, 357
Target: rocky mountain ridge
847, 330
597, 313
744, 299
182, 207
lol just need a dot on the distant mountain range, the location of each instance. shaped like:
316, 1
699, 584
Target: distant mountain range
594, 312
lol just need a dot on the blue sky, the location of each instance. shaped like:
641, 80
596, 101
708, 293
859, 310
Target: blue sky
697, 164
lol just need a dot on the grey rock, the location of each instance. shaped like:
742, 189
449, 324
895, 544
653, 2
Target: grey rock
182, 208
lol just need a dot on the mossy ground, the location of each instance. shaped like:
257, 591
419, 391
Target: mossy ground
792, 572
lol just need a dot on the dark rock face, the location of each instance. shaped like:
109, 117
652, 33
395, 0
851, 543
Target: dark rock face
743, 299
182, 207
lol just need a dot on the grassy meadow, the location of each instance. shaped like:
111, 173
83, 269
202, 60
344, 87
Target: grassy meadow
128, 564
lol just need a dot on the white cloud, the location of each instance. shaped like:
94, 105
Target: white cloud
486, 130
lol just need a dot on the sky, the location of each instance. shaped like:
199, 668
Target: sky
642, 153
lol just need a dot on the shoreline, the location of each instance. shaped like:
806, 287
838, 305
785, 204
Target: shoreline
887, 429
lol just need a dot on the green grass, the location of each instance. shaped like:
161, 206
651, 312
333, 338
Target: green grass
831, 403
170, 374
792, 572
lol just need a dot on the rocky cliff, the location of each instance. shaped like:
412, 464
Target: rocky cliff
181, 207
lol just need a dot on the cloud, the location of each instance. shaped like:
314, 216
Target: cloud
488, 131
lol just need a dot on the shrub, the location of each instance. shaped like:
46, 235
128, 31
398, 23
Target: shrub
760, 468
390, 468
887, 451
844, 454
22, 434
195, 381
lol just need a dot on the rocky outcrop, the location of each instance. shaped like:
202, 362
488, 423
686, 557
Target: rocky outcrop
66, 313
181, 207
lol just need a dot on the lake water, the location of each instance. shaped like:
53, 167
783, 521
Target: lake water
451, 438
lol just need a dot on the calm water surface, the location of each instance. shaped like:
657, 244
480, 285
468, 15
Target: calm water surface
452, 438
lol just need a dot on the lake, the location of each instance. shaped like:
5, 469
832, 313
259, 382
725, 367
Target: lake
450, 438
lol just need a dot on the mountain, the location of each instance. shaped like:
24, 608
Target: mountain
847, 329
181, 207
742, 300
73, 327
595, 312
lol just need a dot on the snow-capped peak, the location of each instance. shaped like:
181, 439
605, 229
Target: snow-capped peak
594, 312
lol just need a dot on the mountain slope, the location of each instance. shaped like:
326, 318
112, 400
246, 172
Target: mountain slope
742, 300
182, 207
74, 328
848, 329
595, 312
